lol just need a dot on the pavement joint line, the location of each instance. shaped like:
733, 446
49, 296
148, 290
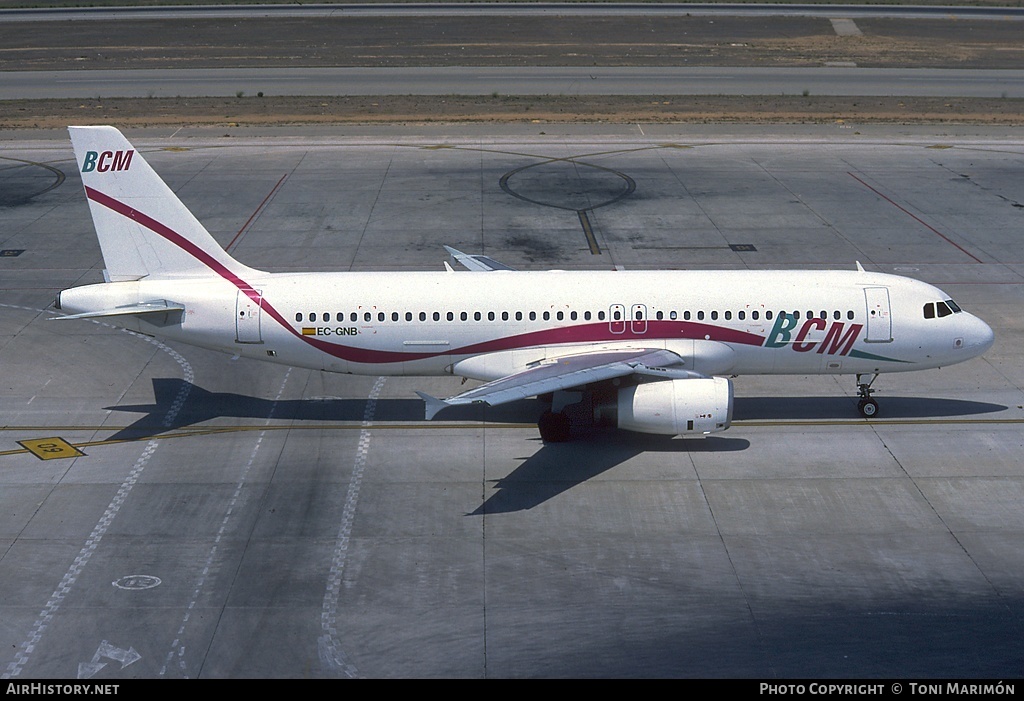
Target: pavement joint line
24, 651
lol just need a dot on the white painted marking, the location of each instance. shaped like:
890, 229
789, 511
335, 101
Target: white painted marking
178, 646
846, 28
53, 604
331, 654
105, 649
137, 582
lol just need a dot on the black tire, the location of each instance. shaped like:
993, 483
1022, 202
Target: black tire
868, 408
554, 428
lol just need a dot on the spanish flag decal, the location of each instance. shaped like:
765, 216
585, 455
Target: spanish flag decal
308, 331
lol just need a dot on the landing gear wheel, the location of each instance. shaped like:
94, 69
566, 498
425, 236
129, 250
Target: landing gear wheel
554, 428
868, 408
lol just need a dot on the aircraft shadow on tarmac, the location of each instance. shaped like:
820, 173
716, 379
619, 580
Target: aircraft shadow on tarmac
201, 405
554, 468
558, 467
826, 408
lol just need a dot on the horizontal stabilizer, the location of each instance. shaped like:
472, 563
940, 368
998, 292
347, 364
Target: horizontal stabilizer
130, 310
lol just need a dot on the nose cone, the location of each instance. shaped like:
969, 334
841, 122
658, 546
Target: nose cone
978, 336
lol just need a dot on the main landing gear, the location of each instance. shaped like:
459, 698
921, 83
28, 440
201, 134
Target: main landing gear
867, 406
554, 427
555, 423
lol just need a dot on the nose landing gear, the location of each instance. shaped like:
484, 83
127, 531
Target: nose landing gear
867, 406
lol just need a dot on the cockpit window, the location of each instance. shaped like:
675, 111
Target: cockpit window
940, 309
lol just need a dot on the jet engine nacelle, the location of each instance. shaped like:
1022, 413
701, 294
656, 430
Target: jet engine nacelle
676, 407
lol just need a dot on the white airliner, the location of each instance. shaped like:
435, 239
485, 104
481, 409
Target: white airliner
647, 351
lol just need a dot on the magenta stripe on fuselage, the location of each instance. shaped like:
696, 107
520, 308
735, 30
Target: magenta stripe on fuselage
583, 333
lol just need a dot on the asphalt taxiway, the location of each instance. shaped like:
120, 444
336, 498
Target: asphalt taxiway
528, 80
169, 512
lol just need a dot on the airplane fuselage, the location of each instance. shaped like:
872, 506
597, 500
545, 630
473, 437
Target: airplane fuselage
489, 325
647, 351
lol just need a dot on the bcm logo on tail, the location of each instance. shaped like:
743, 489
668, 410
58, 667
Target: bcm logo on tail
106, 161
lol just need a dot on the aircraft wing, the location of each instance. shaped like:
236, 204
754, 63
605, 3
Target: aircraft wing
564, 373
474, 262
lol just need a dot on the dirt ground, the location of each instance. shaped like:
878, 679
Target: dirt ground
511, 41
256, 111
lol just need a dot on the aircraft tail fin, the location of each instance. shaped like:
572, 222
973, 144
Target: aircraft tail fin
144, 230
